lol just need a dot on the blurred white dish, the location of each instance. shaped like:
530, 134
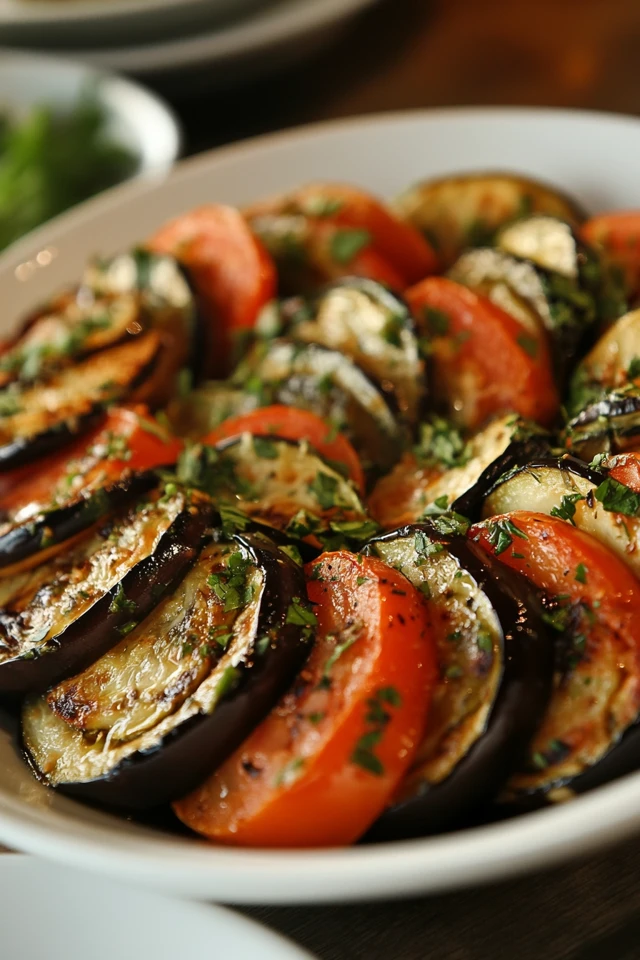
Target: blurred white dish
590, 155
137, 118
54, 23
275, 35
77, 919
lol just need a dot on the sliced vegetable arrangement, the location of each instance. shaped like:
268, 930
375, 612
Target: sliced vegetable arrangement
379, 579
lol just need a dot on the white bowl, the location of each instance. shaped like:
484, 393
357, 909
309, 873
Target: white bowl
118, 921
136, 117
590, 155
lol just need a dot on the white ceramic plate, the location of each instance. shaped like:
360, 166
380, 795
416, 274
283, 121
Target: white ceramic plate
277, 34
594, 157
117, 921
137, 118
55, 23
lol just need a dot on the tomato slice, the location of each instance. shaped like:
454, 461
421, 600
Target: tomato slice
233, 273
595, 606
322, 766
129, 439
402, 248
328, 248
617, 236
625, 468
484, 362
293, 424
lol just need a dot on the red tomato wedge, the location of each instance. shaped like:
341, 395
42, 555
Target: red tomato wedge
596, 609
233, 273
625, 468
129, 439
617, 236
328, 250
293, 424
322, 766
403, 248
483, 360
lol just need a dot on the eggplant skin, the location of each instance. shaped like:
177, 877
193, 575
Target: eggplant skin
518, 453
99, 628
55, 527
193, 750
522, 698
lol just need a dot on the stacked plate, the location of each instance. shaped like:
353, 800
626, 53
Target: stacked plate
232, 39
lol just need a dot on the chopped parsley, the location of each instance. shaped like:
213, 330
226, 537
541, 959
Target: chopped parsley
300, 615
501, 534
231, 586
290, 772
581, 573
376, 718
349, 636
231, 518
448, 523
293, 553
355, 529
617, 498
484, 641
567, 508
228, 681
127, 628
324, 487
265, 448
633, 370
347, 242
528, 344
319, 206
441, 445
120, 604
424, 546
437, 321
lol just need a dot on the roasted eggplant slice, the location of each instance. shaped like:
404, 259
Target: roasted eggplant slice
38, 420
496, 663
569, 489
374, 327
55, 340
24, 545
330, 384
281, 484
593, 604
612, 363
57, 618
151, 719
445, 469
468, 210
117, 299
564, 304
610, 425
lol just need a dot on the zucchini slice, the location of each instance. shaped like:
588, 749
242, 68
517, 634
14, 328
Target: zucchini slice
496, 663
467, 211
60, 616
564, 305
446, 471
157, 714
281, 484
329, 384
610, 425
612, 363
373, 327
569, 489
37, 420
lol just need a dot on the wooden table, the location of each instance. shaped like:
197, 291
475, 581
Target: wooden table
432, 53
